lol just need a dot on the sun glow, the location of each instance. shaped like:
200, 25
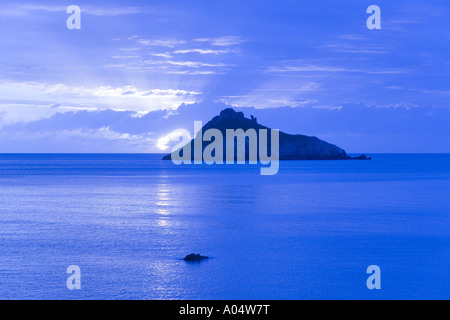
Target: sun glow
174, 136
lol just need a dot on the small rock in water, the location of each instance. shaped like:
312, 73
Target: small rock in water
195, 257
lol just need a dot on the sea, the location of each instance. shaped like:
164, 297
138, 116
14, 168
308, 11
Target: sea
309, 232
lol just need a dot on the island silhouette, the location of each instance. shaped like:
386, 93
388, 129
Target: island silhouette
291, 146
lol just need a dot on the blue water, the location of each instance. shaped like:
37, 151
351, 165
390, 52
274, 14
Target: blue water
309, 232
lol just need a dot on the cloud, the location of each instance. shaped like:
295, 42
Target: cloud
24, 9
102, 140
102, 91
170, 92
352, 48
162, 55
178, 66
327, 69
307, 68
202, 51
193, 64
188, 72
352, 37
222, 41
172, 62
31, 95
101, 11
169, 43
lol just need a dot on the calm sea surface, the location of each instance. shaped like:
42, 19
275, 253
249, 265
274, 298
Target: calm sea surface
309, 232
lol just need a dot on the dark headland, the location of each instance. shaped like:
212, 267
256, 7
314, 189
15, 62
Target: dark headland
292, 146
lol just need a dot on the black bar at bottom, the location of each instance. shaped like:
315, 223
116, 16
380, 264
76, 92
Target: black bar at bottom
206, 309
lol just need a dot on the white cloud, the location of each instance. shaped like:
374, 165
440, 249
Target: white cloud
168, 65
276, 93
293, 68
22, 101
307, 68
193, 64
202, 51
222, 41
170, 43
104, 11
188, 72
129, 49
24, 9
361, 48
12, 112
352, 37
102, 91
162, 55
399, 105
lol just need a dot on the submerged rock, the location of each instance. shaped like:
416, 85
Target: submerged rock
361, 157
195, 257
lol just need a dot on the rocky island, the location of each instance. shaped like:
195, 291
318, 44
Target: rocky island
291, 146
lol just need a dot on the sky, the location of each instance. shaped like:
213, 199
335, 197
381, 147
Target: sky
139, 71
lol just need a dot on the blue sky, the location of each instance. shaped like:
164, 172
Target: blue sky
138, 70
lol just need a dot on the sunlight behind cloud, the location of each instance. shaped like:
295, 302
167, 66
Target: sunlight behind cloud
174, 136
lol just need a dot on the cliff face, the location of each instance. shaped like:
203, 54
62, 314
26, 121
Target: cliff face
291, 147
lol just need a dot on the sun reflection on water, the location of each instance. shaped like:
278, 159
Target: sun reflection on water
163, 201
